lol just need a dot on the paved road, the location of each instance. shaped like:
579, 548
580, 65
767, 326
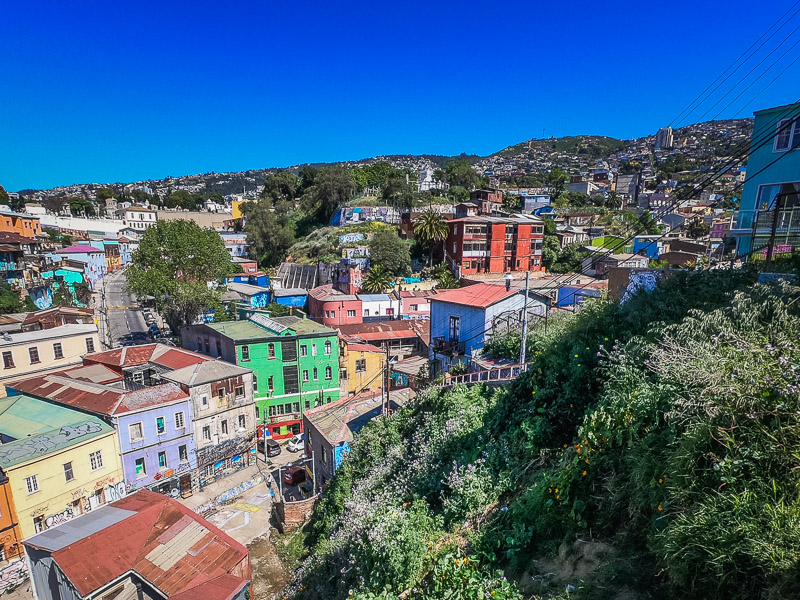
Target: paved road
125, 320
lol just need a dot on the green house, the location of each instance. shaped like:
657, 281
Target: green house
295, 363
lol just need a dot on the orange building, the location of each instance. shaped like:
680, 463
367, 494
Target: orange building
25, 225
12, 568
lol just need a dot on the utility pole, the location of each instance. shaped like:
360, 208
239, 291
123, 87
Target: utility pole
385, 386
524, 323
772, 232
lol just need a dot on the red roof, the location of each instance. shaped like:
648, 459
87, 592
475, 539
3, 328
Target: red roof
95, 397
164, 542
386, 330
78, 250
480, 295
160, 354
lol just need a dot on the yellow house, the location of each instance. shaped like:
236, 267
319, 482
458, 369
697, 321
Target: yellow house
360, 367
59, 462
29, 353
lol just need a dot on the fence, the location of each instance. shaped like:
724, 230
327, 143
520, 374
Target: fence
494, 375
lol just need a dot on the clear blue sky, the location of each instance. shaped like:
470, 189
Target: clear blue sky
100, 92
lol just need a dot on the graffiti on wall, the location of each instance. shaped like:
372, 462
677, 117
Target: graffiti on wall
260, 300
229, 495
46, 442
349, 238
42, 297
12, 575
640, 280
223, 450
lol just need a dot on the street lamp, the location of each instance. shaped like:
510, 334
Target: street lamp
508, 277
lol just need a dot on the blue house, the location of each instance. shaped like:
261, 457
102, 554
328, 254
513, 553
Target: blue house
294, 297
259, 278
648, 245
462, 320
254, 295
773, 182
571, 295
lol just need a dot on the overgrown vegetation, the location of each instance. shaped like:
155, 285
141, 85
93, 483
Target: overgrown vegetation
664, 431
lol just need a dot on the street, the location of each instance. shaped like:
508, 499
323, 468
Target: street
126, 323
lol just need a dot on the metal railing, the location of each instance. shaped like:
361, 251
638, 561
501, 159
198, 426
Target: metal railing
442, 345
495, 374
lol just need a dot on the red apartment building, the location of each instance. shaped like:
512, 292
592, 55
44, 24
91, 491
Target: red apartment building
329, 306
483, 244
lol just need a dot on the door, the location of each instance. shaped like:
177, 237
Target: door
455, 328
186, 484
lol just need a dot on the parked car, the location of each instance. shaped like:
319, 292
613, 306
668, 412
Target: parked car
297, 443
272, 447
294, 475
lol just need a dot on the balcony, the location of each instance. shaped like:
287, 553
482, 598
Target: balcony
450, 347
9, 266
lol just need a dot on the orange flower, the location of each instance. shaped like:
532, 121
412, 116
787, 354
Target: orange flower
584, 473
660, 507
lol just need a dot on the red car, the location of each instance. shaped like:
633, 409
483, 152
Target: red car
294, 475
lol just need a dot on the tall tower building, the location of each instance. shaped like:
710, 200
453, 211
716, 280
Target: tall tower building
664, 138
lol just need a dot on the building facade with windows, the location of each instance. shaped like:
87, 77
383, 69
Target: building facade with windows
221, 394
494, 244
37, 352
11, 552
360, 367
60, 462
138, 218
154, 425
772, 184
295, 364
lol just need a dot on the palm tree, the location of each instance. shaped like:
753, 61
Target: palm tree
431, 228
377, 280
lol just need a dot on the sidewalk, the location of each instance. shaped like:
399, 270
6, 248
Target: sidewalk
240, 504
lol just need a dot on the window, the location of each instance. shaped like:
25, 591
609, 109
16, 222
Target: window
455, 327
38, 524
219, 348
291, 380
270, 351
8, 360
162, 460
366, 312
361, 365
204, 401
328, 401
413, 307
136, 432
303, 350
316, 376
33, 352
255, 384
183, 453
141, 469
308, 404
246, 353
224, 426
272, 411
324, 457
68, 474
207, 346
206, 433
179, 422
329, 347
785, 195
328, 373
305, 375
351, 313
342, 373
89, 345
242, 422
96, 460
239, 391
160, 428
258, 414
270, 383
58, 351
333, 314
296, 407
313, 349
788, 134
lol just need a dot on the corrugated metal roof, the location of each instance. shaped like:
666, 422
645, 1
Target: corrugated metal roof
40, 428
48, 334
205, 372
182, 564
480, 295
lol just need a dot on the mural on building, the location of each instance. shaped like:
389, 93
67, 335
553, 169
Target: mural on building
349, 238
47, 442
229, 495
42, 297
638, 280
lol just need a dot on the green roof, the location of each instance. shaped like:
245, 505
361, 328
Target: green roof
242, 331
39, 428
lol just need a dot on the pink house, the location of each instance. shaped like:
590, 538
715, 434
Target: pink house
415, 304
329, 306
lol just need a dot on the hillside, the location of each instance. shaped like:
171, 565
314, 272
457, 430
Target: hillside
651, 451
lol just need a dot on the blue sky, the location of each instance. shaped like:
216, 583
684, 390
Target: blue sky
100, 92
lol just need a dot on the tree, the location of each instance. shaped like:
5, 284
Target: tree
570, 260
306, 175
9, 300
697, 228
81, 206
377, 280
551, 248
458, 194
445, 280
105, 193
268, 230
332, 187
387, 250
649, 224
280, 186
398, 191
431, 228
175, 262
4, 198
460, 173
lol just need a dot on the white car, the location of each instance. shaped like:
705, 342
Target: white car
297, 443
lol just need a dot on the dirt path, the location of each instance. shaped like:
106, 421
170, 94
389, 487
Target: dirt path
269, 577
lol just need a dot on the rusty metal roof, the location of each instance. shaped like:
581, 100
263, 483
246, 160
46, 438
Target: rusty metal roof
160, 354
161, 540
